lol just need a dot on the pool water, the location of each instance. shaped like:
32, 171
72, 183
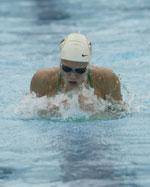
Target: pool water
74, 149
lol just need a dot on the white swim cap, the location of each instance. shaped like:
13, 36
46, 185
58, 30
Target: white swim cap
75, 47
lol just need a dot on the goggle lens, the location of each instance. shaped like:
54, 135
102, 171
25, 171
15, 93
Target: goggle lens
77, 70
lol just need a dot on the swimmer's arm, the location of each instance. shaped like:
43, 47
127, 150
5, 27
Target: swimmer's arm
115, 88
43, 83
39, 84
106, 84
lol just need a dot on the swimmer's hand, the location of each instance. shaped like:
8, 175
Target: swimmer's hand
65, 103
51, 110
54, 110
86, 104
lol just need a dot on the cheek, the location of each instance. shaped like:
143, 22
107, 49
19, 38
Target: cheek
81, 78
66, 76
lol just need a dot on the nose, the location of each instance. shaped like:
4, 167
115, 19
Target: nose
72, 75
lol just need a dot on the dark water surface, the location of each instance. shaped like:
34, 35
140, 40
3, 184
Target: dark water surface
44, 152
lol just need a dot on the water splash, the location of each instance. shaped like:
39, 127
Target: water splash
136, 103
73, 105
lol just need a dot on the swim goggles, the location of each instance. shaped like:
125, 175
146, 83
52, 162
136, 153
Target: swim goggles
75, 70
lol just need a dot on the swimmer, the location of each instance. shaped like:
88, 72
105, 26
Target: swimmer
75, 71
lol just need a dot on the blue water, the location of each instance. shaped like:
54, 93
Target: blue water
41, 152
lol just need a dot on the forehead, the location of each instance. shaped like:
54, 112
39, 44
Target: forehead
73, 63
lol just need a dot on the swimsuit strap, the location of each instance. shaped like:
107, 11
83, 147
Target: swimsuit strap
58, 86
89, 76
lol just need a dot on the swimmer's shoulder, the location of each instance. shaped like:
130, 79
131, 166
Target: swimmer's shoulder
102, 73
44, 81
107, 82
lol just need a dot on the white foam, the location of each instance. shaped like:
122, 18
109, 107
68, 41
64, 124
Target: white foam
66, 106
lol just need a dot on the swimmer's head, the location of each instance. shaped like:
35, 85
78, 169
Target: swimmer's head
75, 54
75, 47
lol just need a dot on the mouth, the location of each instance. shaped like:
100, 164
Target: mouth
73, 82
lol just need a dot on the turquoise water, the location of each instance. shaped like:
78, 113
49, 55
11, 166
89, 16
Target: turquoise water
39, 151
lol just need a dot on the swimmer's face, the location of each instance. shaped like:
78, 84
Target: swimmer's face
74, 73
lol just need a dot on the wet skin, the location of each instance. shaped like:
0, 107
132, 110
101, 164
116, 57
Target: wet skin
106, 84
